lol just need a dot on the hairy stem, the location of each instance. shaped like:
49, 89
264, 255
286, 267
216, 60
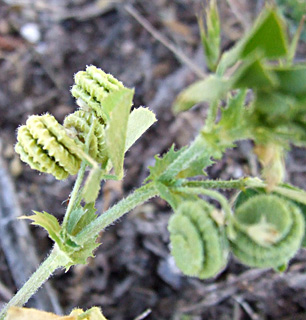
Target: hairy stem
222, 184
59, 259
117, 211
77, 185
55, 260
74, 194
210, 193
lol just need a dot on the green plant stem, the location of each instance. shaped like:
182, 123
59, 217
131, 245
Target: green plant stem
210, 193
59, 259
222, 184
55, 260
295, 195
117, 211
74, 194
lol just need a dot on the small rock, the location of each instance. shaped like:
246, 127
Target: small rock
30, 32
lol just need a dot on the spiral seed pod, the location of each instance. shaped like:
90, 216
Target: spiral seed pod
44, 144
268, 231
78, 124
199, 246
93, 86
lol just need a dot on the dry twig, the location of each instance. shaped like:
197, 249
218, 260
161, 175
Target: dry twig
161, 38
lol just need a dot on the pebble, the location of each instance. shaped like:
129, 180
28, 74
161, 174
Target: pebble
30, 32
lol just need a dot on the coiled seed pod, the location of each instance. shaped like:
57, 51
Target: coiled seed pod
199, 245
44, 144
78, 124
93, 86
268, 231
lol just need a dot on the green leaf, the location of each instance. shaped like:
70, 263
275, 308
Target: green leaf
292, 80
79, 251
92, 185
83, 252
161, 163
232, 115
80, 218
254, 74
276, 107
267, 36
48, 222
74, 218
119, 109
208, 90
196, 168
140, 120
87, 218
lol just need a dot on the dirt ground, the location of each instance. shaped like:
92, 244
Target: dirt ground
42, 45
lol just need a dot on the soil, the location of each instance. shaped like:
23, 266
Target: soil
42, 45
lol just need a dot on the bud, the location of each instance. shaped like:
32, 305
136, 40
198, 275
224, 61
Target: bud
210, 35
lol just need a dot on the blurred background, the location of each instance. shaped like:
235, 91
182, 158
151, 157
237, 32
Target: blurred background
42, 45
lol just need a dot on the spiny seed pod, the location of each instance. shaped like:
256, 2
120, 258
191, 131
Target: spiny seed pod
44, 144
93, 86
199, 245
267, 231
78, 125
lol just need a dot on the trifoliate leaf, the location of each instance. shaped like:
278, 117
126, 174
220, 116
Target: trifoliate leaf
140, 120
48, 222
